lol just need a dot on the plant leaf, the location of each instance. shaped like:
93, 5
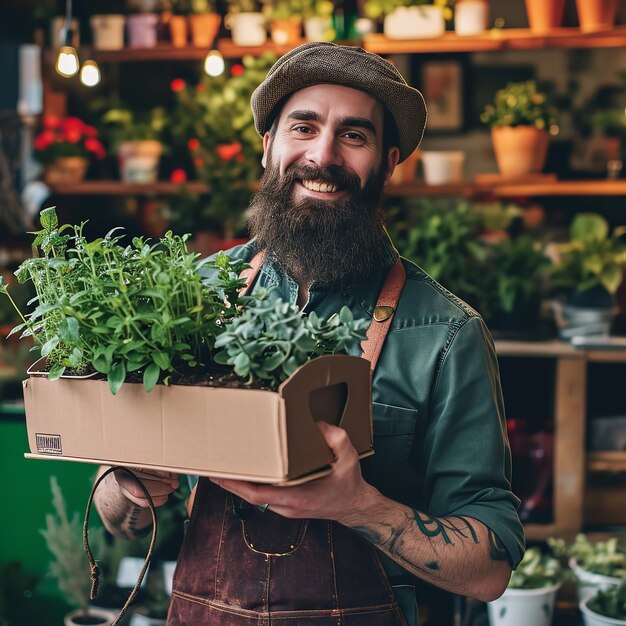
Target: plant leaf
151, 376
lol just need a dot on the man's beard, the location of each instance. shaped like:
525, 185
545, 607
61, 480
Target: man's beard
317, 240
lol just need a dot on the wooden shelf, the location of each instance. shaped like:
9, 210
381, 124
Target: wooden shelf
498, 39
606, 462
118, 188
552, 348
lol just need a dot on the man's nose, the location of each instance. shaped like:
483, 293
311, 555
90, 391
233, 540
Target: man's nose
324, 151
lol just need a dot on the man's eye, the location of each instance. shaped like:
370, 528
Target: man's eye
354, 136
302, 129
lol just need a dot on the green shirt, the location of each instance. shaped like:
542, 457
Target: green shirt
440, 437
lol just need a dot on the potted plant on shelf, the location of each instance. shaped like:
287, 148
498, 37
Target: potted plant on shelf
589, 270
204, 22
529, 597
544, 15
318, 20
246, 23
178, 11
64, 147
606, 608
143, 26
410, 19
596, 565
63, 536
471, 17
521, 120
107, 26
596, 15
285, 20
136, 139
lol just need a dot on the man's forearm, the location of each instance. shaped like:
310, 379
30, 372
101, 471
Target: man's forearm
119, 515
459, 554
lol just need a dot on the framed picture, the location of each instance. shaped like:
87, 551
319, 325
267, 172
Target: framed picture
442, 88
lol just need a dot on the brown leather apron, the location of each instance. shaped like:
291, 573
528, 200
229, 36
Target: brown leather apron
242, 567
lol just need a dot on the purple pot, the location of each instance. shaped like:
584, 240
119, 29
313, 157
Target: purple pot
142, 30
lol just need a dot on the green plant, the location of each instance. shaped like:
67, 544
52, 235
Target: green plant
610, 602
377, 8
536, 570
520, 104
318, 8
213, 122
607, 558
270, 340
115, 309
66, 137
63, 536
593, 257
243, 6
120, 124
284, 9
202, 6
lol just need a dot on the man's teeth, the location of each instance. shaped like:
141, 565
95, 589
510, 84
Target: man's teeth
315, 185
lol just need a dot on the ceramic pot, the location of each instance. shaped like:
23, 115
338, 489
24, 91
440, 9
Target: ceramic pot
139, 161
107, 31
286, 32
545, 15
519, 150
441, 167
178, 31
471, 17
591, 618
66, 171
406, 172
94, 617
588, 583
522, 607
318, 28
204, 28
142, 30
596, 15
414, 22
246, 29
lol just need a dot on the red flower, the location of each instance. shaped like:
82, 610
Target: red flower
228, 151
72, 125
90, 131
73, 136
93, 145
237, 69
44, 139
178, 176
51, 121
178, 84
193, 144
200, 88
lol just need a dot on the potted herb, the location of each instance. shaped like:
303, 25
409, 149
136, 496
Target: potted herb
285, 20
596, 565
178, 10
318, 20
410, 19
589, 271
521, 120
529, 597
606, 608
107, 25
246, 23
143, 26
63, 536
204, 22
544, 15
64, 147
596, 15
136, 139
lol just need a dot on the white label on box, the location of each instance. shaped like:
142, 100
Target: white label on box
48, 444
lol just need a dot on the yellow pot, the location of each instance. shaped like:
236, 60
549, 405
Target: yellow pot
66, 171
520, 150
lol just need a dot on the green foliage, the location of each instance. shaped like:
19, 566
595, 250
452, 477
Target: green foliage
592, 258
16, 587
607, 558
520, 104
213, 120
610, 602
270, 340
117, 309
120, 124
243, 6
536, 570
64, 537
377, 8
284, 9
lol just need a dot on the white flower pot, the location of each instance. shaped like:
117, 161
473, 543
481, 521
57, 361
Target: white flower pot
317, 28
246, 29
595, 619
139, 161
108, 31
442, 167
589, 583
416, 22
471, 17
105, 617
523, 607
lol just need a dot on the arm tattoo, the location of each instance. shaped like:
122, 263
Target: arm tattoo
497, 551
434, 526
368, 534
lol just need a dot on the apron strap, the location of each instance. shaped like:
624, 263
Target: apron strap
250, 273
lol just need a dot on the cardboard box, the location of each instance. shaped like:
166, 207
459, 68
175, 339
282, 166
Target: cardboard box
249, 434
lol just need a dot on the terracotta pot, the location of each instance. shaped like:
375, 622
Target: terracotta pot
178, 30
66, 171
596, 15
520, 150
204, 28
286, 32
544, 15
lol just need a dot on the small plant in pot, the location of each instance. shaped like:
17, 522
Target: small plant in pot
285, 20
596, 565
204, 22
529, 597
606, 608
589, 271
410, 19
246, 22
521, 121
318, 20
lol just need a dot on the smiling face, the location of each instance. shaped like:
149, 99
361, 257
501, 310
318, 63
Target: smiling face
319, 206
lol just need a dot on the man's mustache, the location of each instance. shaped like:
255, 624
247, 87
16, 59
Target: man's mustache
332, 175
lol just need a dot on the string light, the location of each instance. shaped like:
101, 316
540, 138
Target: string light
214, 63
90, 73
67, 61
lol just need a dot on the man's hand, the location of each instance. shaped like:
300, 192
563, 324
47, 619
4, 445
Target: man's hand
158, 484
331, 497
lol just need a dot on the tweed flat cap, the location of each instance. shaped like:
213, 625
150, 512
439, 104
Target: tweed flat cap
322, 62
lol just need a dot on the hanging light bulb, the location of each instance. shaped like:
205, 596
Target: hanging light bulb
90, 73
67, 61
214, 63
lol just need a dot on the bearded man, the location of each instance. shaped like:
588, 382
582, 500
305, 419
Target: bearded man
434, 502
